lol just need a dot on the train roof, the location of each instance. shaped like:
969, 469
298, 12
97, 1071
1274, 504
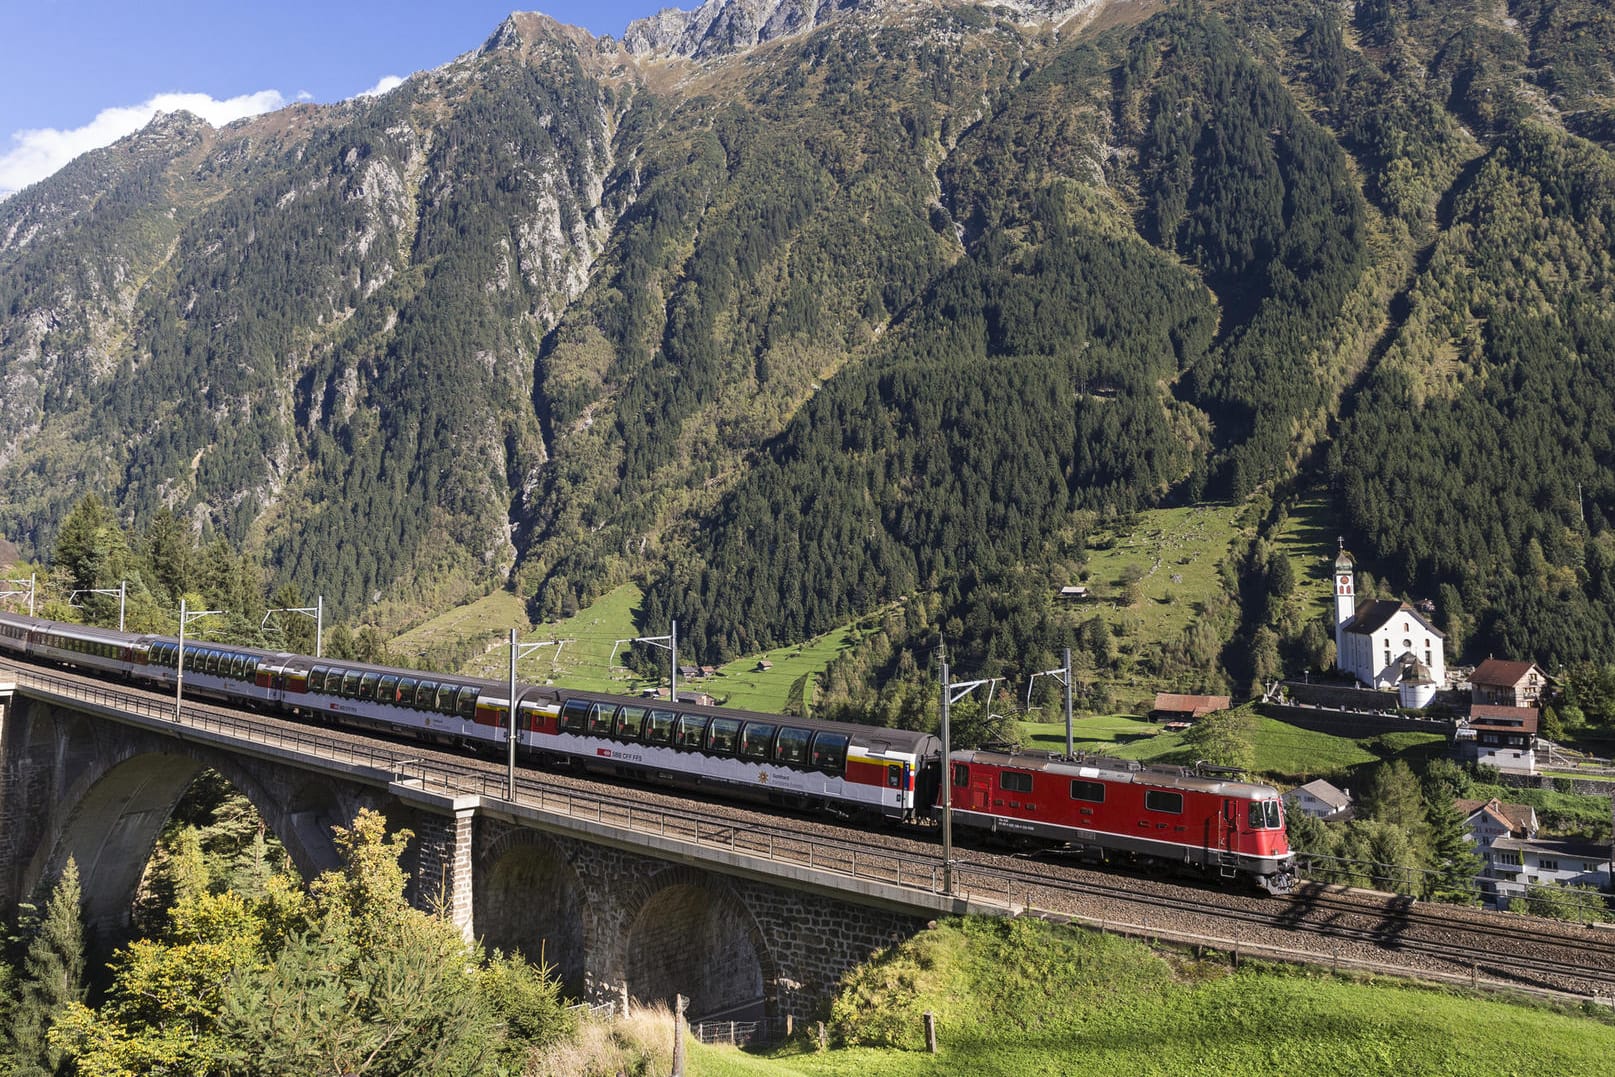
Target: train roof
1112, 769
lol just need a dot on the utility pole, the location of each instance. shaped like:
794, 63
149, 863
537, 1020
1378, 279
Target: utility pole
951, 694
519, 650
316, 611
16, 590
122, 592
1063, 674
669, 642
185, 618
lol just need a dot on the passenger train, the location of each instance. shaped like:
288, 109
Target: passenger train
1104, 809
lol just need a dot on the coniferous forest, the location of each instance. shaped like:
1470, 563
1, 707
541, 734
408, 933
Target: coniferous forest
909, 304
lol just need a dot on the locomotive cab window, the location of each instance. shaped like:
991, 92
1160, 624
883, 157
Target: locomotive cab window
830, 752
659, 727
1015, 781
757, 741
961, 775
575, 716
1254, 815
1092, 792
1158, 800
791, 746
723, 736
690, 732
1274, 819
630, 721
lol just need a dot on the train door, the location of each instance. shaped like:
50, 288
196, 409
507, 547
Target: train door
1228, 846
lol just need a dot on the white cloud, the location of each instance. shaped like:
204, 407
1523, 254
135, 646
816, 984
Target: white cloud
387, 82
36, 154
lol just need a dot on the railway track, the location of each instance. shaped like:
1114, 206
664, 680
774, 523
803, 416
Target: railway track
1324, 925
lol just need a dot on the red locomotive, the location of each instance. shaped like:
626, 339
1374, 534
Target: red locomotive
1117, 809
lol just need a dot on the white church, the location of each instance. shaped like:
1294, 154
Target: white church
1386, 644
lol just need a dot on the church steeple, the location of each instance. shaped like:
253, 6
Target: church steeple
1345, 602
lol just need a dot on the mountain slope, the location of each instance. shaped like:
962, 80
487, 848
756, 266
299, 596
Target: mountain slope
788, 310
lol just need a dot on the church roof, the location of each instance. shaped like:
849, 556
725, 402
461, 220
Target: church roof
1374, 615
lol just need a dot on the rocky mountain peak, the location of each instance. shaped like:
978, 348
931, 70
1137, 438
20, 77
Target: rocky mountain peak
722, 27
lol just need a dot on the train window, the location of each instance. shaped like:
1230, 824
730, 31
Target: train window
468, 702
961, 775
350, 683
528, 716
630, 720
445, 698
757, 741
600, 716
830, 751
894, 776
1274, 821
723, 735
1014, 781
387, 689
316, 679
1157, 800
238, 666
1092, 792
689, 732
406, 691
574, 716
426, 695
1254, 816
659, 727
367, 685
791, 746
210, 661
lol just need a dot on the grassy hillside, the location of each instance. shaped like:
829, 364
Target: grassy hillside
1023, 997
1283, 751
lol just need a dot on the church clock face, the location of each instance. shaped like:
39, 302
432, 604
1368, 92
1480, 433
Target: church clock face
1343, 584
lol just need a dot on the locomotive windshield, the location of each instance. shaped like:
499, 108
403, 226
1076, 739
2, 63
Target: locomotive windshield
1264, 815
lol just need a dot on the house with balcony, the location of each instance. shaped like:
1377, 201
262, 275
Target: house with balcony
1501, 737
1521, 863
1507, 684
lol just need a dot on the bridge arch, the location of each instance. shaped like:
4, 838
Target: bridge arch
688, 933
115, 790
529, 897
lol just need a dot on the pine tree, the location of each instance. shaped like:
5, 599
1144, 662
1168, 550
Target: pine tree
53, 977
1453, 862
1392, 795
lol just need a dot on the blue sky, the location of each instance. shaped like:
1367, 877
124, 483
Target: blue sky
80, 73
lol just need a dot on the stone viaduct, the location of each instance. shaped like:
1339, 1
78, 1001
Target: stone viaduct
95, 773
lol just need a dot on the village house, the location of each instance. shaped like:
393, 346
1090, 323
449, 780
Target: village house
1172, 707
1520, 863
1320, 800
1501, 737
1489, 820
1507, 684
1386, 644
